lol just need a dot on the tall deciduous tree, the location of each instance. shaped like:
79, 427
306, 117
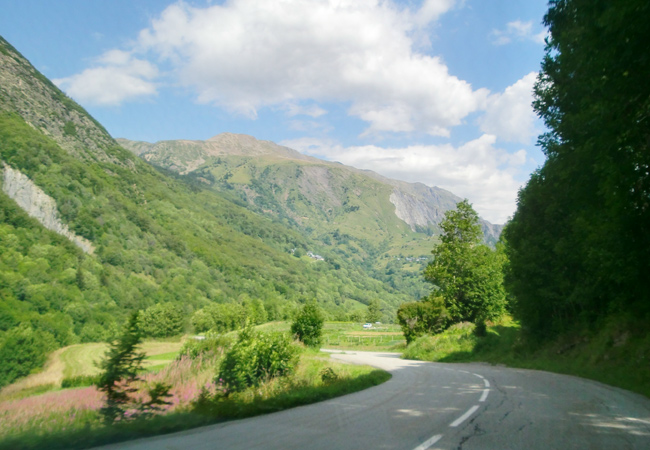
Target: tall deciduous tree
579, 246
467, 272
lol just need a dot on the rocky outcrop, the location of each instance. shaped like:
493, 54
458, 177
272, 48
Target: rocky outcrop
39, 205
414, 211
422, 206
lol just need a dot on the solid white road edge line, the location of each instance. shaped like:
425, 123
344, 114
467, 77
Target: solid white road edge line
484, 395
429, 442
464, 417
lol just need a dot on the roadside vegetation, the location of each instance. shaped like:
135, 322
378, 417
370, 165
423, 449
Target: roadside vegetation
615, 354
221, 377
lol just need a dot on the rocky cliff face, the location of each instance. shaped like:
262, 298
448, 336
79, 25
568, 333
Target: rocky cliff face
39, 205
414, 211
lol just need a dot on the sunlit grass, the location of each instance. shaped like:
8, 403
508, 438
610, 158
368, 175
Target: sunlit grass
610, 354
352, 336
68, 419
81, 360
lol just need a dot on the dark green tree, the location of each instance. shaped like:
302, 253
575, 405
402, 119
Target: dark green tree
374, 311
308, 324
162, 320
466, 272
120, 368
579, 245
23, 349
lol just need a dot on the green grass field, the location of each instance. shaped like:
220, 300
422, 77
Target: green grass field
352, 336
81, 359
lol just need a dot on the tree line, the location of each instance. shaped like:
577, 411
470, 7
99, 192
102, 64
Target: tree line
577, 250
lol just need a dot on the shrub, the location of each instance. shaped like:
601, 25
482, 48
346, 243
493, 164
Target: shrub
328, 375
213, 343
425, 316
79, 381
256, 357
308, 325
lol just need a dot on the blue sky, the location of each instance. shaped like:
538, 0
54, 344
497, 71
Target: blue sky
435, 91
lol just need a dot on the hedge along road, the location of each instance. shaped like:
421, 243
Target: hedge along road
440, 406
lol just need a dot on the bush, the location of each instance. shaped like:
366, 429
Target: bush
79, 381
327, 375
308, 325
256, 357
419, 318
213, 343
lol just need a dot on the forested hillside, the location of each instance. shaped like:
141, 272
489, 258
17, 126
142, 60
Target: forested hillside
386, 226
157, 240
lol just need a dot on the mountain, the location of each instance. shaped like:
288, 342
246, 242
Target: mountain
314, 195
90, 232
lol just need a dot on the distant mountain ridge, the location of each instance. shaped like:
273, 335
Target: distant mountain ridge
419, 206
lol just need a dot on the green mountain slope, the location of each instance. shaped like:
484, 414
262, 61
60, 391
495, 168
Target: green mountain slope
155, 239
316, 196
386, 226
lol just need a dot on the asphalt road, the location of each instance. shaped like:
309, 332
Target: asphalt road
440, 406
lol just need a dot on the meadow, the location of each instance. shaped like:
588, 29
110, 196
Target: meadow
36, 412
80, 360
352, 336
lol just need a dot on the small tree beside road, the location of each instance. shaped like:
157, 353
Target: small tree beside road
308, 325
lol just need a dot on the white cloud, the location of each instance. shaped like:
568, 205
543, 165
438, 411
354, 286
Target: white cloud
245, 55
118, 77
431, 10
476, 170
509, 115
517, 30
293, 109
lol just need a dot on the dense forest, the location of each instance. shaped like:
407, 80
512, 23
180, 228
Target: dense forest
578, 244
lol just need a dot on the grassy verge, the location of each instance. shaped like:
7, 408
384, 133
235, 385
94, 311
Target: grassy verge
616, 354
68, 419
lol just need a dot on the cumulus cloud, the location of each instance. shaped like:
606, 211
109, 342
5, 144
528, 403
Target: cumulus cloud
477, 170
509, 115
117, 76
519, 31
431, 10
245, 54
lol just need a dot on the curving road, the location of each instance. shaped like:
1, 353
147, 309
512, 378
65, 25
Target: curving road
440, 406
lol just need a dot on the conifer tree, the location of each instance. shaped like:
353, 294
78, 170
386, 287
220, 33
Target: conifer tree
120, 368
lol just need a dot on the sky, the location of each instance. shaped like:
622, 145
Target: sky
430, 91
